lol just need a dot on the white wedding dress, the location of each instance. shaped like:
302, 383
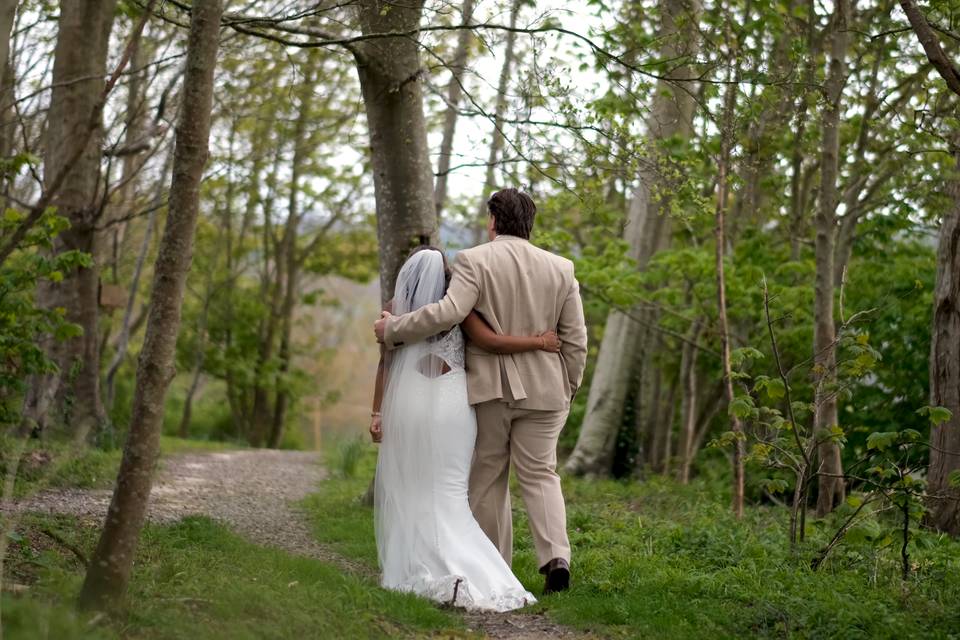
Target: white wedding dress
427, 538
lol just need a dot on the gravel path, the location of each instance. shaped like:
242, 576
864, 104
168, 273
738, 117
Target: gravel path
252, 492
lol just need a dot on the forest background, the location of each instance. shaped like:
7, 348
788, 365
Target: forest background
761, 200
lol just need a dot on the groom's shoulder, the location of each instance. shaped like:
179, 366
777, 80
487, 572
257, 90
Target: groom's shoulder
467, 254
487, 253
560, 262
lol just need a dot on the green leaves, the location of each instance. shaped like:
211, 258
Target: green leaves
881, 440
743, 407
772, 387
739, 356
937, 415
774, 485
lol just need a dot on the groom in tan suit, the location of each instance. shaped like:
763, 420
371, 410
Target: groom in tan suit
521, 400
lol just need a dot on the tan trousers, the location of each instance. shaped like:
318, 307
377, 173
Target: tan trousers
529, 438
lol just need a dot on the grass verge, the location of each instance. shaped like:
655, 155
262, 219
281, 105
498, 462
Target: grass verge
661, 560
197, 580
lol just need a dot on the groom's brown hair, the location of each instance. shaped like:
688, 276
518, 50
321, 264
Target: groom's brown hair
513, 212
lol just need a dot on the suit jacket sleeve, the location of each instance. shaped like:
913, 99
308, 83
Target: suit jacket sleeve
461, 298
572, 330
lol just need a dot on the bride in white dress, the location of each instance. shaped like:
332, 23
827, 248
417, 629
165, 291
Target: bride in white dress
428, 541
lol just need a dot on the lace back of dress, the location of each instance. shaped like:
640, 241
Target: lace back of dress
449, 349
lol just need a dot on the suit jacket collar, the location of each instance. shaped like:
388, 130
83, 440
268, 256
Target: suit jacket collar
505, 238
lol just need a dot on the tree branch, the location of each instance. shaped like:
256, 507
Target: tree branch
931, 45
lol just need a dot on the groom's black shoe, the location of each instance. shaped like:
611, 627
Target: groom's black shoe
557, 572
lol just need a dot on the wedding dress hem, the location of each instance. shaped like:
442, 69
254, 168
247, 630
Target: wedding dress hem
454, 590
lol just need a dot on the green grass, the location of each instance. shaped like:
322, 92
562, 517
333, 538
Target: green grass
195, 579
660, 560
48, 463
651, 560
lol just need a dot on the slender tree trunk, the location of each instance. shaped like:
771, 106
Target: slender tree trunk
199, 358
649, 380
647, 231
290, 253
8, 13
261, 413
712, 403
392, 86
454, 93
134, 149
123, 340
130, 325
760, 152
944, 504
112, 561
8, 118
499, 110
726, 140
78, 79
830, 485
239, 417
663, 459
797, 183
944, 512
187, 416
688, 401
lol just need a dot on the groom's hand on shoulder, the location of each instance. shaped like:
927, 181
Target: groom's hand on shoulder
380, 326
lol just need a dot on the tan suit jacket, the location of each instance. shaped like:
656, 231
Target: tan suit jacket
519, 290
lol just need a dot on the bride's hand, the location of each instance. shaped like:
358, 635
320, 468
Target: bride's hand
376, 428
550, 342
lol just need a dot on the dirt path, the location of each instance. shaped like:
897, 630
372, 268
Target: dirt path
253, 492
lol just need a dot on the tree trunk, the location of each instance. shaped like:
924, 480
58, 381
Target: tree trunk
799, 186
187, 416
760, 150
454, 92
78, 71
290, 255
726, 141
499, 110
649, 399
134, 139
130, 325
647, 231
392, 86
830, 485
688, 401
711, 402
112, 561
123, 340
664, 430
944, 505
198, 360
271, 286
8, 13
